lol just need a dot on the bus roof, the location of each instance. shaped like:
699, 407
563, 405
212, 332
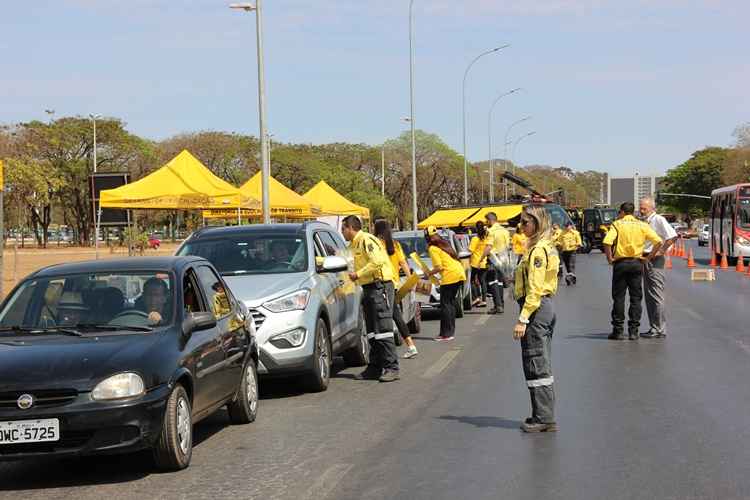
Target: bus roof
729, 189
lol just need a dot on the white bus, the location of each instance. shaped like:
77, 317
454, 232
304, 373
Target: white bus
730, 221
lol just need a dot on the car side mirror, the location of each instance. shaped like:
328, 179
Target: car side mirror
334, 264
464, 254
198, 321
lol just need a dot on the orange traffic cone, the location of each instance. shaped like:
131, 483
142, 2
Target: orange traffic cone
740, 264
713, 262
690, 260
668, 263
681, 250
724, 263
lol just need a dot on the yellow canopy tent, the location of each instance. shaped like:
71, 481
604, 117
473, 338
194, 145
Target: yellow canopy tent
285, 203
503, 212
183, 183
449, 217
333, 203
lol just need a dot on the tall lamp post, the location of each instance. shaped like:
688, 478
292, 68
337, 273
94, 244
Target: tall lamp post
411, 118
263, 135
489, 135
96, 214
505, 150
463, 115
513, 154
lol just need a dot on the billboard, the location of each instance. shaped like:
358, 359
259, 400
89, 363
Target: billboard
110, 180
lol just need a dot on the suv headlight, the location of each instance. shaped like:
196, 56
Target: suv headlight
292, 338
122, 385
296, 301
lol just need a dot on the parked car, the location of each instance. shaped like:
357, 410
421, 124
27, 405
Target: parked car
703, 235
414, 241
114, 356
294, 280
154, 241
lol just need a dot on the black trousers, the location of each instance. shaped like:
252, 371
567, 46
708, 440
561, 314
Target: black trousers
627, 276
536, 356
569, 259
398, 318
496, 282
378, 299
448, 307
479, 283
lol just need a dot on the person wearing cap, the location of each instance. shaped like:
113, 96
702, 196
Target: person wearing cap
446, 263
568, 243
499, 242
518, 243
71, 310
375, 276
536, 283
623, 245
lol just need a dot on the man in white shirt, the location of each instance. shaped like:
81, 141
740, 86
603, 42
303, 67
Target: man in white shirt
653, 271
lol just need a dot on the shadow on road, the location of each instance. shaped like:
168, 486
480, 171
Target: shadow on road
484, 422
589, 336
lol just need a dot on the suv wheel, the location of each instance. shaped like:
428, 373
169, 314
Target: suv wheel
317, 381
359, 355
244, 408
415, 325
175, 446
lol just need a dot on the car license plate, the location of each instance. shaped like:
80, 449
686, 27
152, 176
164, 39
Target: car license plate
29, 431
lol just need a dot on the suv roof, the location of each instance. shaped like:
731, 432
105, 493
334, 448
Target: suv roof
290, 228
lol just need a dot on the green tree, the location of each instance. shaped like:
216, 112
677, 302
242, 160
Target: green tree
699, 175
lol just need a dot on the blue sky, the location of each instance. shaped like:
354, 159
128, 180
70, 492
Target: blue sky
612, 85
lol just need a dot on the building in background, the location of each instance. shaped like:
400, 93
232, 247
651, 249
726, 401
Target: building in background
632, 189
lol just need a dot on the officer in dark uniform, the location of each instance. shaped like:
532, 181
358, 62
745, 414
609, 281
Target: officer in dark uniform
373, 272
623, 246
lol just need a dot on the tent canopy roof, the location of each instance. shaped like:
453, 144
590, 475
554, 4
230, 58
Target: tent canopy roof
183, 183
465, 217
331, 202
503, 212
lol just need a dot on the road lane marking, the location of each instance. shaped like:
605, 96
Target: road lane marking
482, 320
442, 363
327, 482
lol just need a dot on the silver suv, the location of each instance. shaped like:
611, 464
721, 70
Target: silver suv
294, 280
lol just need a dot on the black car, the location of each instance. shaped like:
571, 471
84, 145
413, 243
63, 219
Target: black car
115, 356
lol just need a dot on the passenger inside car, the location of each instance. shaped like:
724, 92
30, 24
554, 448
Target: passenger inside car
156, 299
71, 310
48, 316
108, 303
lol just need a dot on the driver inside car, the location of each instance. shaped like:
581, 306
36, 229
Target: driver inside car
155, 300
279, 252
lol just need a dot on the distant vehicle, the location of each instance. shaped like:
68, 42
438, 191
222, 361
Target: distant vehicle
704, 235
594, 227
730, 221
414, 241
294, 280
116, 356
154, 241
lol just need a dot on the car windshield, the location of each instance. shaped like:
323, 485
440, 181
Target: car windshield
128, 300
743, 215
252, 253
411, 244
557, 214
609, 215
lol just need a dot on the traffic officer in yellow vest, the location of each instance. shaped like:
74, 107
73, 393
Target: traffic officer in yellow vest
373, 272
568, 243
536, 283
499, 242
627, 235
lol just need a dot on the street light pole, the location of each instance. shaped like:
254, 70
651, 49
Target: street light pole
463, 115
505, 150
489, 135
513, 154
263, 135
382, 171
411, 118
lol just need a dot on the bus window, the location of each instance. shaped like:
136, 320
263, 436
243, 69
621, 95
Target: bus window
743, 214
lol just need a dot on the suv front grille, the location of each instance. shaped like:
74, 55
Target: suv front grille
42, 398
258, 318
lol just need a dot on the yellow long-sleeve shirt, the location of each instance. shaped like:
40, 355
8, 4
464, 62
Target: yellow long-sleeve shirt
569, 240
536, 276
628, 236
370, 259
519, 243
477, 247
499, 237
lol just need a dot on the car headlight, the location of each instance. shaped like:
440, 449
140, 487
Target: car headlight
296, 301
292, 338
122, 385
743, 241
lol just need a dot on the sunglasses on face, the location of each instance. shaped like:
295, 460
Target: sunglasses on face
526, 222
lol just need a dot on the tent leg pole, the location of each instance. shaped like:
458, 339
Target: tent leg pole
96, 228
239, 222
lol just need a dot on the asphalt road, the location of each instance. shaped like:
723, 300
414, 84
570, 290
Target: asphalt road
649, 419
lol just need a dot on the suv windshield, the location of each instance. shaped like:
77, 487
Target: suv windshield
252, 253
609, 215
411, 244
139, 299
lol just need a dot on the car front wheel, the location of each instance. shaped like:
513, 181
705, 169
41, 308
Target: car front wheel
175, 447
317, 381
244, 409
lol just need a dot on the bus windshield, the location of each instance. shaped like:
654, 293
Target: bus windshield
743, 213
